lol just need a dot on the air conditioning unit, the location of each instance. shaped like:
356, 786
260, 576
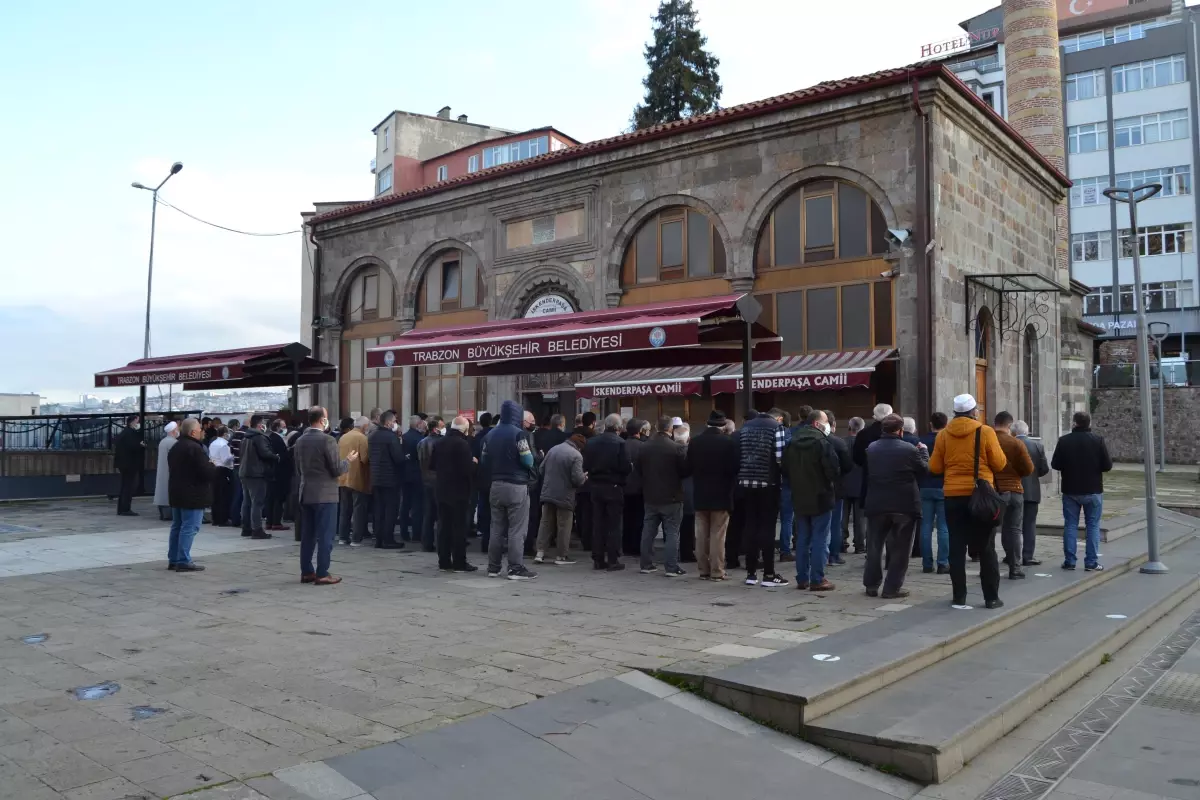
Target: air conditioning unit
372, 166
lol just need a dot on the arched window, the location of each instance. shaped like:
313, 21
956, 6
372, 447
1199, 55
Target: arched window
819, 222
1029, 382
452, 282
367, 308
674, 244
983, 350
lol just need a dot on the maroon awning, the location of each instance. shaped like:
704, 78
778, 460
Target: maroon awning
267, 365
667, 334
813, 372
666, 382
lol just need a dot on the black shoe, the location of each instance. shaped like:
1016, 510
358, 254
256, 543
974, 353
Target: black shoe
128, 514
445, 568
617, 567
837, 562
858, 551
261, 535
1031, 562
872, 593
599, 565
997, 603
171, 567
1068, 567
927, 570
191, 567
897, 595
465, 568
1093, 568
424, 548
388, 545
943, 570
247, 533
1014, 574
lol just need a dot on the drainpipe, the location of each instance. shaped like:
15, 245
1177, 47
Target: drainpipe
316, 311
926, 382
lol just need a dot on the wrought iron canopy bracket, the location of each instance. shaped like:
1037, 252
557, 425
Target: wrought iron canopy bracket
1018, 301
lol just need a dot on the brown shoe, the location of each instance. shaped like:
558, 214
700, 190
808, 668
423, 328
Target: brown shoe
823, 586
308, 578
328, 580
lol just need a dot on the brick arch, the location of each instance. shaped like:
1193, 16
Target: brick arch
548, 275
407, 309
744, 263
624, 236
337, 300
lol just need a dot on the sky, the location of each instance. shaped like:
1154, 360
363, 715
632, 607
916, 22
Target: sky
270, 105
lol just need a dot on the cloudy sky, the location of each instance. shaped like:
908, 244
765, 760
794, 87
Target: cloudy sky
270, 107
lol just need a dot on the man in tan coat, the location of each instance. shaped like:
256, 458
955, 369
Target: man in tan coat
354, 488
1008, 484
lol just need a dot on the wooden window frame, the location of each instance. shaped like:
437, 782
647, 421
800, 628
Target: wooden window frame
629, 278
769, 228
439, 263
772, 297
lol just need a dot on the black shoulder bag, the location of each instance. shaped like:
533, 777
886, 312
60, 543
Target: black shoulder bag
985, 504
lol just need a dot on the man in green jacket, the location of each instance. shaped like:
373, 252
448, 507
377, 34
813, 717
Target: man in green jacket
811, 467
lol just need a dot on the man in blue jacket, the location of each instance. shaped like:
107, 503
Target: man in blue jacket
412, 492
508, 458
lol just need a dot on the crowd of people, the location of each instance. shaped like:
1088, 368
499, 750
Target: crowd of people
772, 491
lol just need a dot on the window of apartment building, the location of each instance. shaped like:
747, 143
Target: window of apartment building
473, 164
1149, 74
674, 244
1150, 128
1158, 240
1085, 85
990, 99
557, 144
1088, 191
1160, 296
1087, 138
383, 180
1098, 301
1081, 41
1111, 36
387, 138
819, 319
1175, 181
443, 172
451, 283
820, 222
515, 151
1096, 246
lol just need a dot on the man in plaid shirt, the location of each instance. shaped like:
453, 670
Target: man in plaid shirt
760, 445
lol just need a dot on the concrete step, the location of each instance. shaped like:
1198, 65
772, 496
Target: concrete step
931, 723
790, 687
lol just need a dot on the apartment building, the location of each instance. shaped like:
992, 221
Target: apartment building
1130, 94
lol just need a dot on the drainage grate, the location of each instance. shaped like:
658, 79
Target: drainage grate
1177, 691
1016, 787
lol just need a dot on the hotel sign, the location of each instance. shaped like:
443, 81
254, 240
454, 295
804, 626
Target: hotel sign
795, 383
968, 41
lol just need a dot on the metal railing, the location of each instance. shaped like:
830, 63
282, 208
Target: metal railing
75, 432
1125, 375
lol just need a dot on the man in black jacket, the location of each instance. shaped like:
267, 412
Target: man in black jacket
633, 513
281, 478
412, 492
865, 439
129, 457
760, 445
893, 506
663, 465
483, 482
846, 463
257, 470
712, 461
606, 462
189, 490
453, 467
1082, 458
385, 454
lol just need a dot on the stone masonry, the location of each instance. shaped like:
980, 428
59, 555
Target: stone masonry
1118, 411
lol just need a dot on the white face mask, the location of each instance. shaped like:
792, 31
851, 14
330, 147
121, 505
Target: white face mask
395, 426
825, 427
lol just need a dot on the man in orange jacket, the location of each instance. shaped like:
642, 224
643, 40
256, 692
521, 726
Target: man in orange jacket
954, 458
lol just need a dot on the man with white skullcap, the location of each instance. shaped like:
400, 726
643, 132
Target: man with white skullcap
170, 436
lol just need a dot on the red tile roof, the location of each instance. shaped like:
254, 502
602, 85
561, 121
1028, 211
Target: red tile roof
822, 91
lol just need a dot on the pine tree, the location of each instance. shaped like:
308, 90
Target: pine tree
683, 76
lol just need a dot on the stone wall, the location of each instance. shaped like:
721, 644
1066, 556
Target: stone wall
1117, 417
993, 215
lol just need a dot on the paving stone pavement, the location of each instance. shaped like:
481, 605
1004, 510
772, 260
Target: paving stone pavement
241, 671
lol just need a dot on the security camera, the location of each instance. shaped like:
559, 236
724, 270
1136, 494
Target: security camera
900, 234
889, 273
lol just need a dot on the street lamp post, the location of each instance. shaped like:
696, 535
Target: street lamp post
178, 165
1159, 331
1132, 197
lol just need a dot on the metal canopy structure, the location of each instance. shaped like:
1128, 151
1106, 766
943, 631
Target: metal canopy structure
1018, 301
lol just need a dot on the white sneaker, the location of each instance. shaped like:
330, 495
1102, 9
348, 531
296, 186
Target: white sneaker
563, 561
648, 570
752, 579
356, 544
540, 558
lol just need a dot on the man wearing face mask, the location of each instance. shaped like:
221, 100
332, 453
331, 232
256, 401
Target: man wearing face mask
318, 467
437, 428
385, 458
129, 457
811, 465
258, 461
281, 478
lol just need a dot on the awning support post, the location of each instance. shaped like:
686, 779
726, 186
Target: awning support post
295, 387
748, 368
141, 481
